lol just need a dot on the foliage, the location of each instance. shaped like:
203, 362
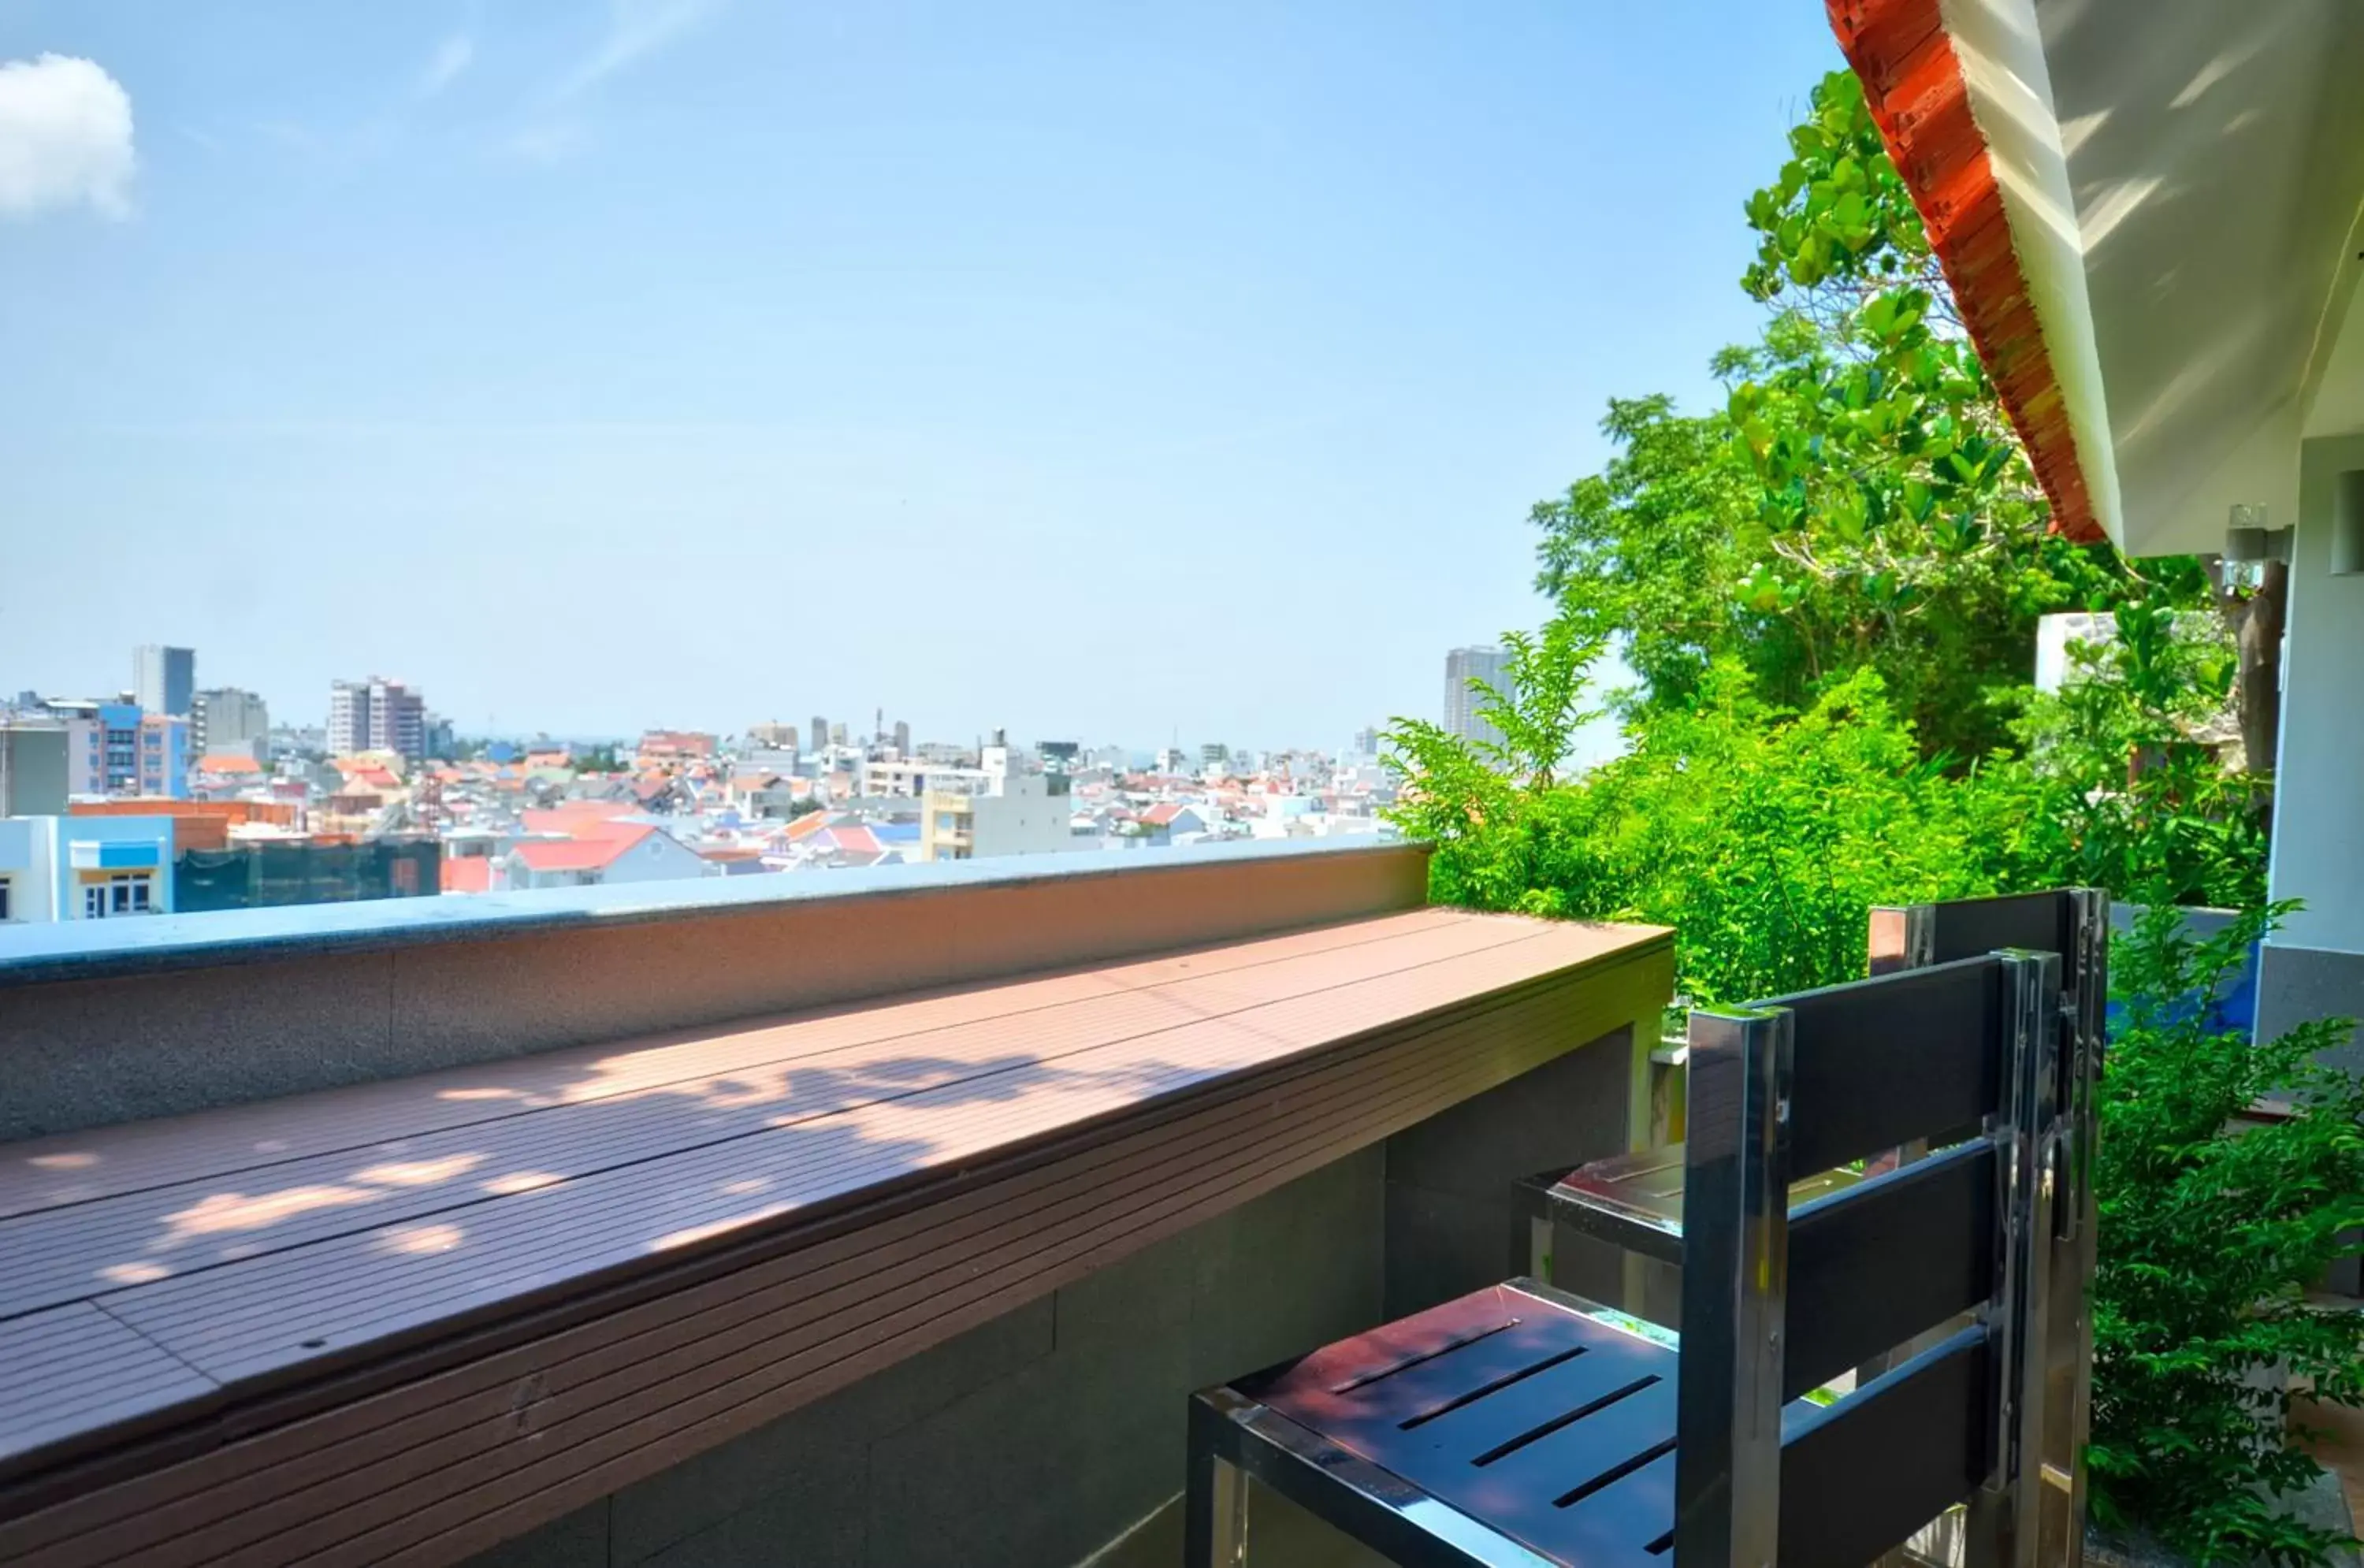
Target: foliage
2209, 1234
2124, 799
1860, 502
1464, 795
1761, 834
1838, 220
597, 759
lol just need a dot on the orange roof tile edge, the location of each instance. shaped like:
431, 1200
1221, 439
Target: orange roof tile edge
1913, 82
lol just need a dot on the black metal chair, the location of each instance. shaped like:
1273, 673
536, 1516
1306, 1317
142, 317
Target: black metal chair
1524, 1425
1634, 1202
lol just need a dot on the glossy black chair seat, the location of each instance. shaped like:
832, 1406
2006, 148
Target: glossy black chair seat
1520, 1426
1511, 1404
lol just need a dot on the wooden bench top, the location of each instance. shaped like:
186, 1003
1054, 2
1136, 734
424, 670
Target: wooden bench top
210, 1324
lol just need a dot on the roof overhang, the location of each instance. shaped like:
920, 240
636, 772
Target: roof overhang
2151, 212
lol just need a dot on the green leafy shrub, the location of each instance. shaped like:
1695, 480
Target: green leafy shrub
1762, 835
2210, 1232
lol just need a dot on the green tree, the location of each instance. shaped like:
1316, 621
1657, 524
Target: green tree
1859, 501
1474, 799
2122, 794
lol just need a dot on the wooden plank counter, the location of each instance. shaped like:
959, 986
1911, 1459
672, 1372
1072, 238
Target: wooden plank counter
407, 1320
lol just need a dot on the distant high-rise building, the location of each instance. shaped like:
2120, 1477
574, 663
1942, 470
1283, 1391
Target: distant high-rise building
902, 738
1462, 666
772, 735
1214, 756
376, 715
163, 679
348, 718
819, 732
837, 733
1367, 742
225, 719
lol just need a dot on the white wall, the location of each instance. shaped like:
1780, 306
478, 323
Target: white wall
24, 862
1026, 820
2318, 853
660, 857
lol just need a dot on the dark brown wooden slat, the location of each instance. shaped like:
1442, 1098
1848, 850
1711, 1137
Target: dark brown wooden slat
83, 1167
74, 1367
75, 1252
1547, 1049
1906, 1447
1879, 1263
1882, 1062
267, 1315
1464, 1091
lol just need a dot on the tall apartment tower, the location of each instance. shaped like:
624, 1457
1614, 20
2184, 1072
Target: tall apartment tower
163, 679
348, 717
820, 732
376, 715
1462, 666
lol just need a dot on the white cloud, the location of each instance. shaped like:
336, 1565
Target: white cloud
452, 56
65, 137
635, 29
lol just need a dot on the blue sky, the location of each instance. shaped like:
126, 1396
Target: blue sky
1104, 371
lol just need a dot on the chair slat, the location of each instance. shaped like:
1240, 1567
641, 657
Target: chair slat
1882, 1062
2041, 922
1879, 1263
1860, 1476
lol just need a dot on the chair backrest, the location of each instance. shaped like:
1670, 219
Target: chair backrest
1966, 1053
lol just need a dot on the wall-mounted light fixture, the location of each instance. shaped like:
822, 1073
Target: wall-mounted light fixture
2248, 542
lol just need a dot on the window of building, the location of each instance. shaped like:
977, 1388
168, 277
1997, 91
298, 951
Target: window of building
125, 893
6, 912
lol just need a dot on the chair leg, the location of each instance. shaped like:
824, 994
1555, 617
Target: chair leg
1214, 1502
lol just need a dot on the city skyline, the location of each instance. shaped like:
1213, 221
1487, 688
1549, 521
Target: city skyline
358, 719
624, 380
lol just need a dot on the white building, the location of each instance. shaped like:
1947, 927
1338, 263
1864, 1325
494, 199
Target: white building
1462, 666
611, 853
1000, 811
376, 715
228, 719
85, 868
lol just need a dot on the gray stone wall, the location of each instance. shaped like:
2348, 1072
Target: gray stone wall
1032, 1440
1039, 1437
